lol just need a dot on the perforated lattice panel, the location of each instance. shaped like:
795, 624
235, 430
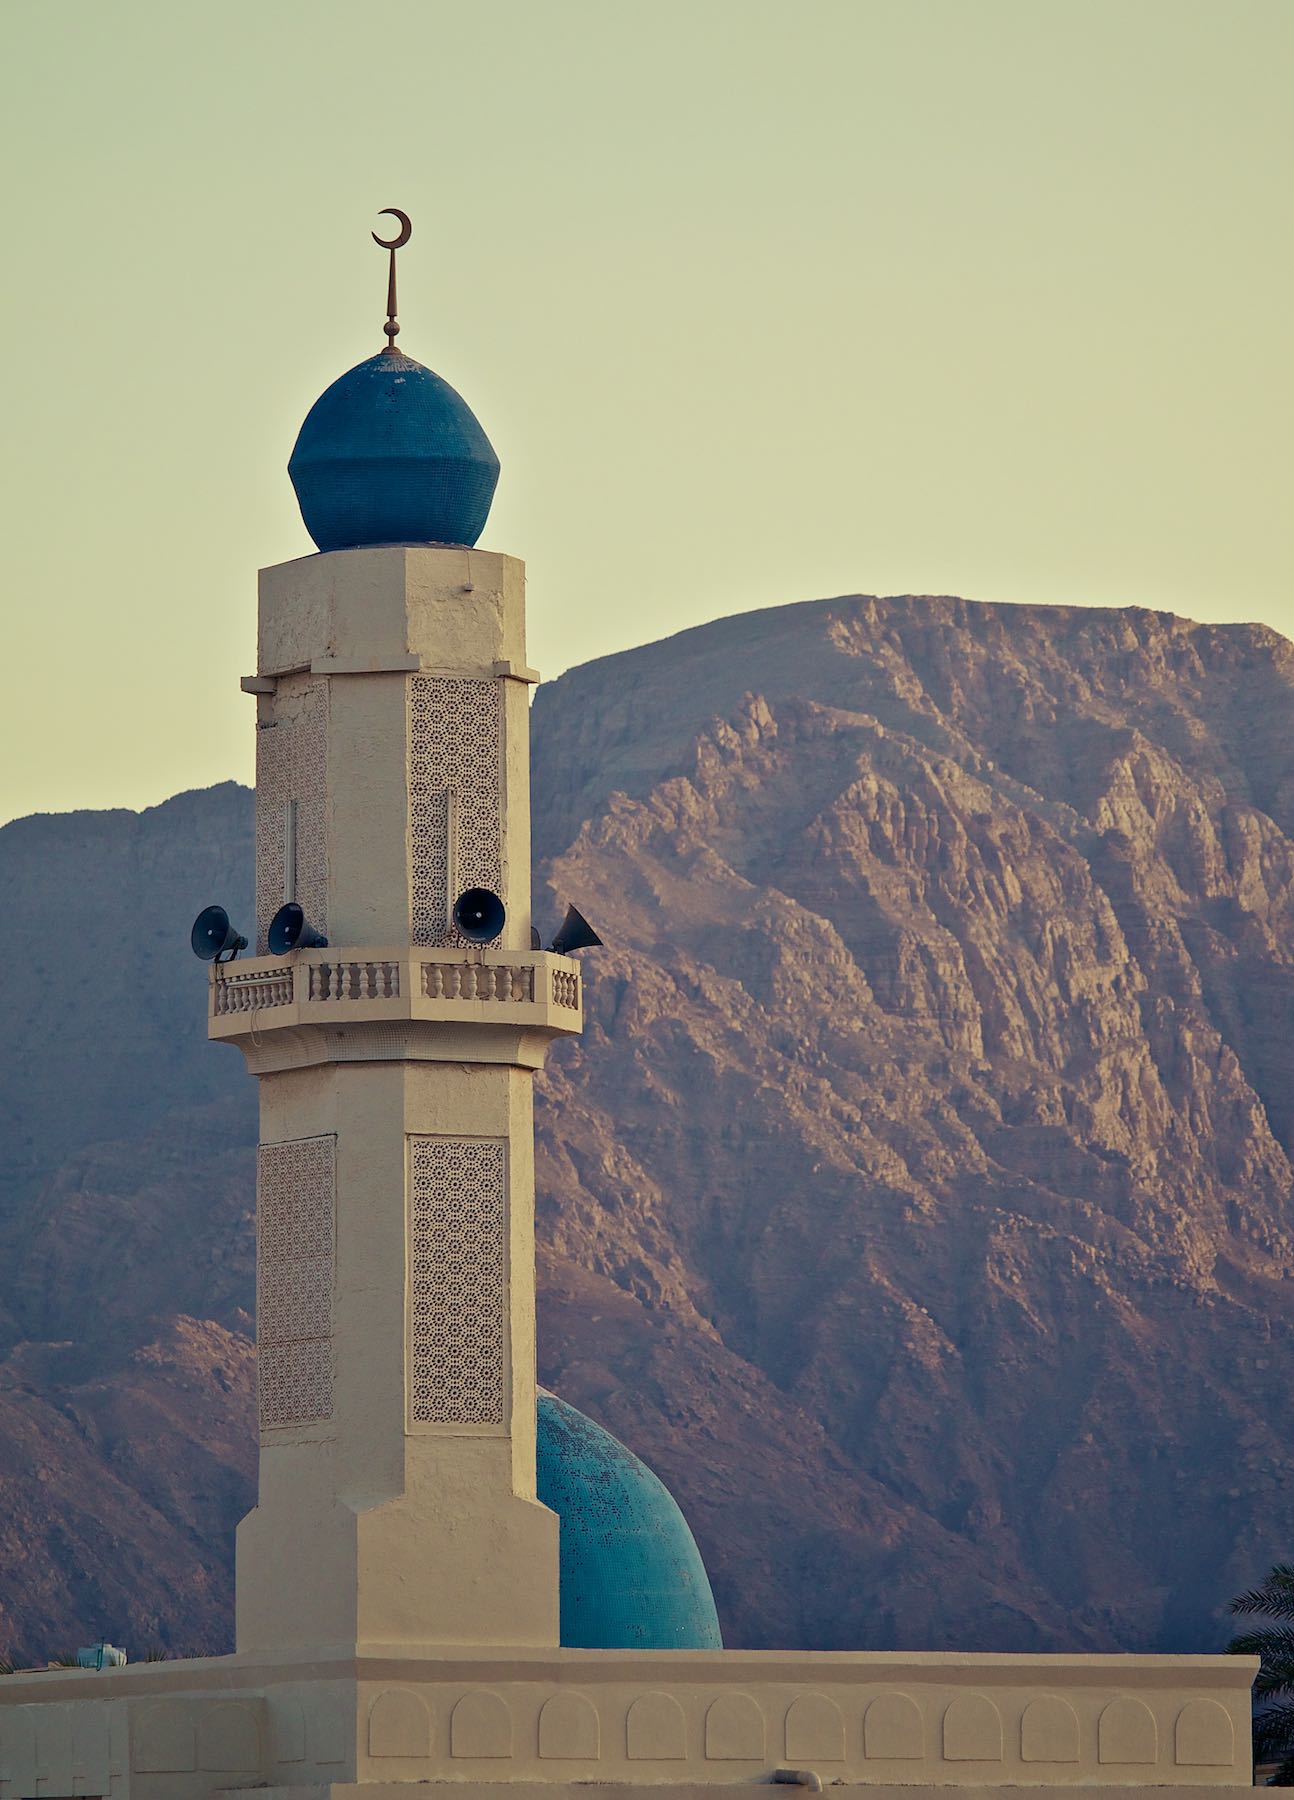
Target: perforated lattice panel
295, 1206
291, 765
457, 1280
455, 782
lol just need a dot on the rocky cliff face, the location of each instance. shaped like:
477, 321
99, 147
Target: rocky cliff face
918, 1201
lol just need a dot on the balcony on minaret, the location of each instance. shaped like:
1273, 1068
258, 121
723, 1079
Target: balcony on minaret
289, 1006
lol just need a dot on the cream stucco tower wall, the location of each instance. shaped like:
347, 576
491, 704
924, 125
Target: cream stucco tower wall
395, 1193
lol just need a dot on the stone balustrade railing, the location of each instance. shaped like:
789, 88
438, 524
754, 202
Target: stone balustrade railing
354, 981
327, 985
237, 992
477, 981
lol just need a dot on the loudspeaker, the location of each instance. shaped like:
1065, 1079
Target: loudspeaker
291, 930
479, 915
213, 938
576, 934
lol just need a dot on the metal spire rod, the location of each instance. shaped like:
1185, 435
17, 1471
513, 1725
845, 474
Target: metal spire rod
392, 326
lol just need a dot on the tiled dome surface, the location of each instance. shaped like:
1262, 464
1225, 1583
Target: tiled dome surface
391, 454
631, 1575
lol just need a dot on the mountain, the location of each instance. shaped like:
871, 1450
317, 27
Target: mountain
917, 1201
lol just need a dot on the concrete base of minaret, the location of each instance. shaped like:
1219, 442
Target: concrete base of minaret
446, 1549
522, 1722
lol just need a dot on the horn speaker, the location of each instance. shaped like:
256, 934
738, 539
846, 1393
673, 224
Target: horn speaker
213, 938
291, 930
576, 934
479, 915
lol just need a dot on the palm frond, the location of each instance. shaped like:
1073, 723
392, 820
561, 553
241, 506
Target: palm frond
1273, 1733
1270, 1683
1274, 1643
1284, 1776
1274, 1595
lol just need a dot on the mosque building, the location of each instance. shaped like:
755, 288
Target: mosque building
452, 1578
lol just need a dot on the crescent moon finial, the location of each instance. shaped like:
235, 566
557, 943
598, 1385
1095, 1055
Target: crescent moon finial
402, 236
392, 326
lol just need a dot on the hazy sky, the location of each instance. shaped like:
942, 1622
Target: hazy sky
758, 300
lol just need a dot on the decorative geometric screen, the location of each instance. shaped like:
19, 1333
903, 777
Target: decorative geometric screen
457, 1280
291, 764
295, 1197
455, 782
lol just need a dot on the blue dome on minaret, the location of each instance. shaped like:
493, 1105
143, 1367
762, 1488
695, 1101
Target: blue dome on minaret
391, 454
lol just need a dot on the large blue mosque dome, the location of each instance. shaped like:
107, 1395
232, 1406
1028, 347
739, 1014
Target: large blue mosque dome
391, 454
631, 1575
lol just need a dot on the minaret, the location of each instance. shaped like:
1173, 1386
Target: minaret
395, 1189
